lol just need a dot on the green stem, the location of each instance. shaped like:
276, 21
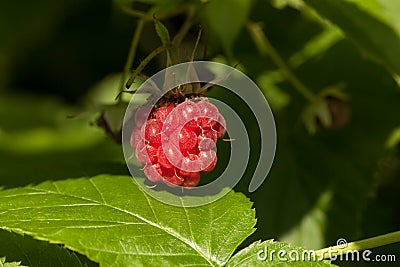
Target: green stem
266, 48
138, 14
145, 62
131, 55
396, 78
360, 245
149, 17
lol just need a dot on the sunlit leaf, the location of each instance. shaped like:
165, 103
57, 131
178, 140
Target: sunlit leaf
130, 228
3, 263
270, 253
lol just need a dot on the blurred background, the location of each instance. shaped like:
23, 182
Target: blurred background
337, 168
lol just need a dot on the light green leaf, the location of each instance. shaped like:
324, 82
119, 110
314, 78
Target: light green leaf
281, 4
384, 10
113, 116
314, 113
164, 36
3, 263
270, 253
277, 98
394, 138
225, 18
316, 46
367, 26
312, 225
113, 222
162, 31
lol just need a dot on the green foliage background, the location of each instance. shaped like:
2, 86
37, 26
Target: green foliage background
59, 59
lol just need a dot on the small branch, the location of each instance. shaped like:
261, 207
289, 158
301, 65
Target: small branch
131, 54
266, 48
368, 243
196, 45
145, 62
149, 17
138, 14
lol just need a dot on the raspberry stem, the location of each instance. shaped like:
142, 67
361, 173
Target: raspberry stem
149, 17
131, 54
146, 61
364, 244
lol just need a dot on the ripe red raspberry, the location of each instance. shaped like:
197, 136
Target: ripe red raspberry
176, 141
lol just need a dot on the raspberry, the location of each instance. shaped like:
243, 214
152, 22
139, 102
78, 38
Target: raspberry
151, 172
211, 166
191, 180
205, 143
187, 140
162, 114
176, 141
162, 158
208, 114
135, 137
140, 115
173, 180
152, 132
188, 110
219, 127
146, 153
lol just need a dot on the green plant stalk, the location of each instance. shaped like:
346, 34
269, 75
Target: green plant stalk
131, 54
266, 48
149, 17
364, 244
145, 61
396, 78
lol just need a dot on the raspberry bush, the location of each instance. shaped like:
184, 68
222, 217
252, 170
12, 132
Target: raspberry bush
67, 198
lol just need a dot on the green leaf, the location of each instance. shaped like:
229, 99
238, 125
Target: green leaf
311, 226
113, 222
341, 163
367, 26
162, 31
3, 263
36, 253
315, 112
316, 46
164, 36
270, 253
225, 19
277, 98
394, 138
281, 4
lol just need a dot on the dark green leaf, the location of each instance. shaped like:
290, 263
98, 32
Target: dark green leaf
36, 253
337, 165
376, 37
225, 18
